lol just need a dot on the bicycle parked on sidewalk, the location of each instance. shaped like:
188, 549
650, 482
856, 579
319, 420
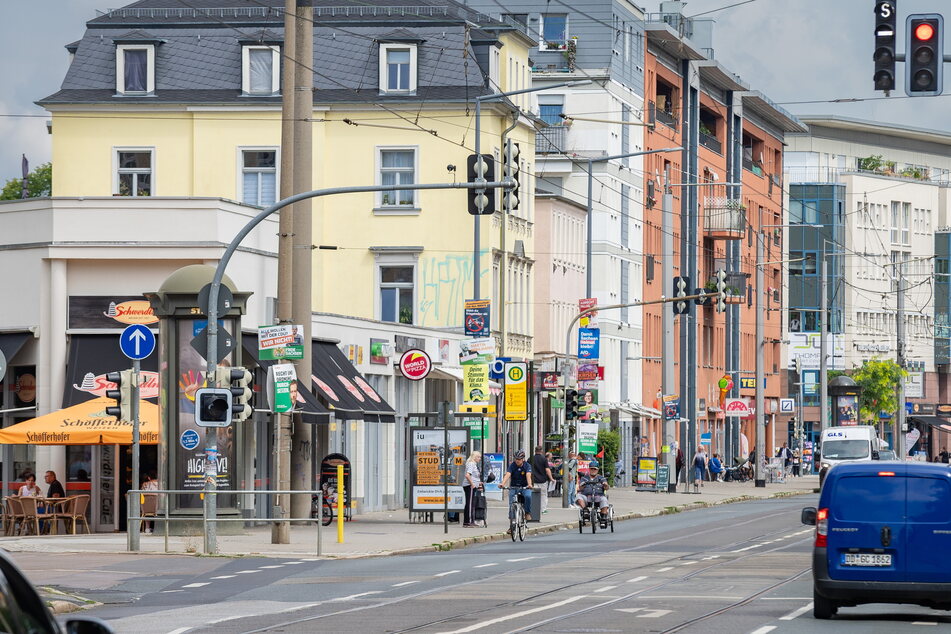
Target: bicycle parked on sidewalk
518, 526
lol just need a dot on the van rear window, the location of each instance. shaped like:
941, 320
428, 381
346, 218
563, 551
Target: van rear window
929, 500
868, 499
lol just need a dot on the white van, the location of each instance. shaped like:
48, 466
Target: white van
856, 443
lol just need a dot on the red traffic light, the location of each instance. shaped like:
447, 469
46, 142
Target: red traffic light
924, 32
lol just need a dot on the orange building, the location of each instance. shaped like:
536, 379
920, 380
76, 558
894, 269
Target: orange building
726, 186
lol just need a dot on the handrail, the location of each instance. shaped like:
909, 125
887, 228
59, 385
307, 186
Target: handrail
137, 519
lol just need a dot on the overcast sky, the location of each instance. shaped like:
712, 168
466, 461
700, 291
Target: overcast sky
792, 50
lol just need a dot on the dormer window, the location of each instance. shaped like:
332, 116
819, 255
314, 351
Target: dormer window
260, 70
135, 69
397, 67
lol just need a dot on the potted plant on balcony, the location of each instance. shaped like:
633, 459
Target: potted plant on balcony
571, 52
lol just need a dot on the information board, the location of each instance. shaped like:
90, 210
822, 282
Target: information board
663, 477
432, 466
646, 473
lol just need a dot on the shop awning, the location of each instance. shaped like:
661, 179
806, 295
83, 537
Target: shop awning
347, 391
90, 358
11, 342
935, 421
84, 424
308, 406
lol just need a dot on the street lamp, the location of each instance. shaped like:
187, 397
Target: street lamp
476, 243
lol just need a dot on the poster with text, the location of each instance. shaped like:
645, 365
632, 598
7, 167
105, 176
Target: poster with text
433, 465
588, 438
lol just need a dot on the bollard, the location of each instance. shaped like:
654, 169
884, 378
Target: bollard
341, 496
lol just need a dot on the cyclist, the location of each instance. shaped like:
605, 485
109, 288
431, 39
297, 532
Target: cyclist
520, 476
591, 488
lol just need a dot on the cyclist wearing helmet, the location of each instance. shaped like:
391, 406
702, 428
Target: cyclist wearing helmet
591, 488
520, 475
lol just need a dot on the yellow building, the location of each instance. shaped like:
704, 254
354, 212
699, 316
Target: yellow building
188, 103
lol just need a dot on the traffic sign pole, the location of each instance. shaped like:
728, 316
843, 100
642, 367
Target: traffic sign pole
134, 506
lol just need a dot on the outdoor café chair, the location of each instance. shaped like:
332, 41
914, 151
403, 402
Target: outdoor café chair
149, 508
31, 514
13, 515
78, 511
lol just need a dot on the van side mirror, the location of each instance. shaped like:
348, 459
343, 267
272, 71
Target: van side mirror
809, 516
875, 455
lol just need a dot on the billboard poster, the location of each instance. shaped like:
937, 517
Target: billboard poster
589, 340
475, 383
280, 342
588, 438
476, 317
591, 319
847, 410
805, 346
432, 467
588, 372
495, 463
282, 387
589, 404
476, 426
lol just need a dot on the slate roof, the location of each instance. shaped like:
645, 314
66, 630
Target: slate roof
199, 60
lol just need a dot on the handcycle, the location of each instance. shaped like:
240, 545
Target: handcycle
517, 524
602, 520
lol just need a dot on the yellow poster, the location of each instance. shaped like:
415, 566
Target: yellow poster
475, 383
516, 391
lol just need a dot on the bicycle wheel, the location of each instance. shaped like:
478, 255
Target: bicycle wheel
611, 517
594, 519
513, 523
327, 512
521, 524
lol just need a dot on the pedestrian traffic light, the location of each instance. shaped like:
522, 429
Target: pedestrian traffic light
238, 382
481, 201
213, 407
122, 395
510, 171
680, 290
572, 404
925, 55
886, 36
721, 291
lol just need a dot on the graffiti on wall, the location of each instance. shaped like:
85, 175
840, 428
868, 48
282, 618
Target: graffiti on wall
444, 285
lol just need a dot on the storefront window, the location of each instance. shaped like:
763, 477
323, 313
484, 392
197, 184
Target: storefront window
78, 461
24, 461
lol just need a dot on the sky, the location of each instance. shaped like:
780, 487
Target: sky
791, 50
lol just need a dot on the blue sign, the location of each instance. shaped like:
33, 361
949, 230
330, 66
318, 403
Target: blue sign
497, 368
476, 318
589, 343
705, 438
190, 439
137, 341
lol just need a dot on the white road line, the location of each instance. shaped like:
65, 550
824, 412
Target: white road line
355, 596
688, 563
484, 565
739, 550
197, 585
711, 557
246, 572
923, 623
605, 588
515, 615
764, 629
636, 579
312, 559
405, 583
448, 572
785, 598
169, 591
665, 569
795, 613
224, 577
269, 567
521, 559
292, 563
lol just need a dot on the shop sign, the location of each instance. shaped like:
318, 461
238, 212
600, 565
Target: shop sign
943, 410
415, 365
380, 351
737, 407
805, 347
914, 385
588, 437
549, 380
24, 386
516, 391
280, 342
94, 311
923, 409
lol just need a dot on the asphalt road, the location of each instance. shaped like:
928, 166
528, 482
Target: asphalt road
737, 568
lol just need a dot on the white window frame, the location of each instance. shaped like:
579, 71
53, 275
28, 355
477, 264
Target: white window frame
395, 259
115, 168
542, 43
120, 68
239, 175
396, 210
246, 69
384, 67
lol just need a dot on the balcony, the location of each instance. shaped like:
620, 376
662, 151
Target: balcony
735, 288
711, 143
659, 114
551, 140
723, 218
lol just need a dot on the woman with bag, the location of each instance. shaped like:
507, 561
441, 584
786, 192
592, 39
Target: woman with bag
472, 484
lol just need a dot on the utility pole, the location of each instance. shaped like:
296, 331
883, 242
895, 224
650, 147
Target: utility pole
299, 456
899, 424
667, 325
760, 476
281, 476
823, 338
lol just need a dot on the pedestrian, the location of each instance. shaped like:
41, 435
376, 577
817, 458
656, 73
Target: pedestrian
699, 468
796, 463
553, 467
786, 455
679, 464
571, 478
944, 456
541, 475
473, 483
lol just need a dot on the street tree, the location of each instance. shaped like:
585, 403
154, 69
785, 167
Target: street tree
39, 183
878, 379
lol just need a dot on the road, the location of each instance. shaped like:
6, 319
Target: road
736, 568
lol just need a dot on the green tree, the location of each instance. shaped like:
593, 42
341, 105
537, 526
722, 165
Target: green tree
610, 443
878, 379
39, 183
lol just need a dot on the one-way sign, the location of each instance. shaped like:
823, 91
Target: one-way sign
137, 342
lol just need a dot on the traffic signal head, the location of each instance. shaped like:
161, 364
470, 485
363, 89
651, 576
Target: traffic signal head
721, 291
237, 381
924, 60
681, 285
122, 395
572, 404
481, 167
213, 407
885, 43
510, 161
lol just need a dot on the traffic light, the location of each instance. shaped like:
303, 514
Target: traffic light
797, 364
572, 404
213, 407
238, 382
122, 395
721, 291
510, 171
925, 57
680, 290
481, 202
886, 36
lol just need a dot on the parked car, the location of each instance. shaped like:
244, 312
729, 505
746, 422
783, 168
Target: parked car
883, 535
887, 454
22, 611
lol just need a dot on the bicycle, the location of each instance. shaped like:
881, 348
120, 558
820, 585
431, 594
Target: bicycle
517, 524
328, 503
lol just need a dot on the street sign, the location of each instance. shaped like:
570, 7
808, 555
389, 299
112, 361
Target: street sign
189, 439
787, 405
516, 391
225, 343
137, 341
225, 298
497, 368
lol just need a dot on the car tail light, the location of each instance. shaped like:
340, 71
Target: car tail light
886, 473
822, 527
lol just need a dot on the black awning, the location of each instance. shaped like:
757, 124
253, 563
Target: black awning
308, 407
91, 357
346, 403
11, 342
356, 384
935, 421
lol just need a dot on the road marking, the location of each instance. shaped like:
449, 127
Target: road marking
246, 572
292, 563
785, 598
711, 557
665, 569
923, 623
688, 563
515, 615
224, 577
355, 596
484, 565
179, 630
764, 629
636, 579
739, 550
795, 613
313, 559
521, 559
605, 588
197, 585
448, 572
268, 567
405, 583
647, 614
168, 591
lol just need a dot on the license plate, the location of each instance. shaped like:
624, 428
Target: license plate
866, 559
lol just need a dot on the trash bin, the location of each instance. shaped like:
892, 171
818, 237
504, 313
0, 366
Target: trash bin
536, 510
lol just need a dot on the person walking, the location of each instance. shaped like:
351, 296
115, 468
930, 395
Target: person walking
796, 463
570, 478
699, 468
679, 464
541, 476
473, 483
786, 455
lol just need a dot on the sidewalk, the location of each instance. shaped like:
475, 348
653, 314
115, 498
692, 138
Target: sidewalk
389, 532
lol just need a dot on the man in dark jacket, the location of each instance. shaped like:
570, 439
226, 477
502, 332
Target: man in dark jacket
541, 475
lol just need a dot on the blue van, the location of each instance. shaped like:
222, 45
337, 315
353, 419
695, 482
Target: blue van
883, 535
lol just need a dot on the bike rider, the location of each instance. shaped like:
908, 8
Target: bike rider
591, 488
520, 475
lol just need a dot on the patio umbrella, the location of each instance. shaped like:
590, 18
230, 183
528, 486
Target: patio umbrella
84, 424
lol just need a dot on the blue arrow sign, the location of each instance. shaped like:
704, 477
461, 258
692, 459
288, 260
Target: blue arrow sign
137, 342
